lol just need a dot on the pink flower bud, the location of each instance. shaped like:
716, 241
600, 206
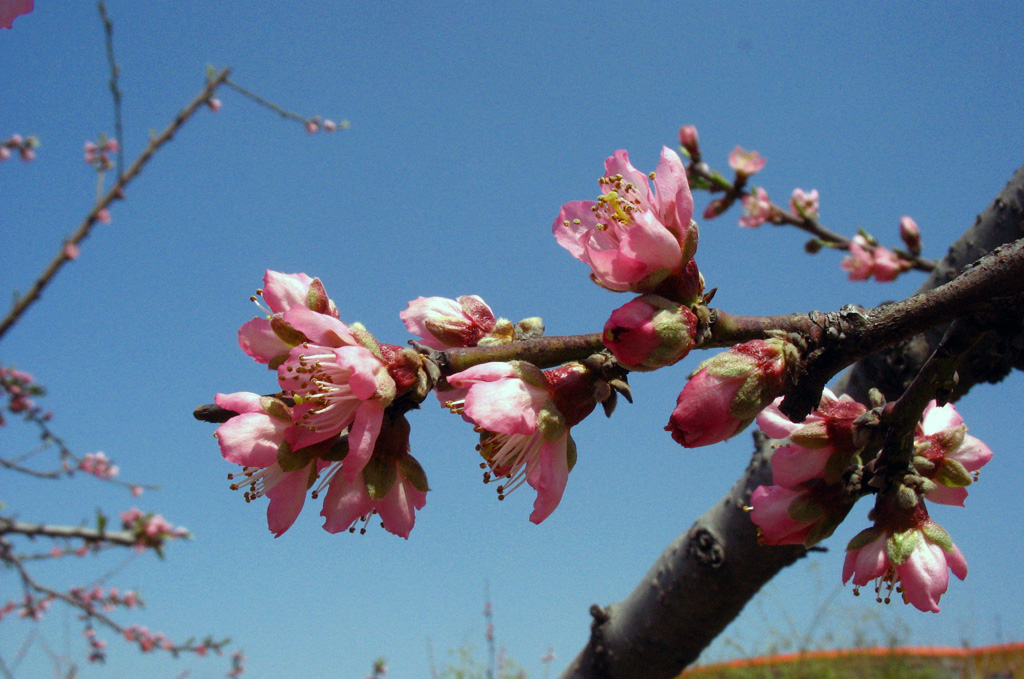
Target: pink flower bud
112, 146
860, 262
103, 216
688, 140
5, 153
214, 104
71, 251
728, 390
311, 127
650, 332
27, 154
911, 235
330, 125
746, 163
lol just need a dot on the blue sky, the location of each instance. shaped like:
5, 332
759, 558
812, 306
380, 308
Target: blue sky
471, 125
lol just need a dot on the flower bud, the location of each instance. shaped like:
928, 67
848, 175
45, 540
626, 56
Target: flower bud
650, 332
728, 390
911, 235
689, 141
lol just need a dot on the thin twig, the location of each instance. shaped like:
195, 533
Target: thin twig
714, 182
115, 71
263, 102
115, 193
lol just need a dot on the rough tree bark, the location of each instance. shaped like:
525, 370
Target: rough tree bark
705, 577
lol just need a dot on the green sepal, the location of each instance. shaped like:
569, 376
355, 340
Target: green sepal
317, 299
570, 451
364, 337
412, 470
821, 530
285, 331
951, 439
836, 466
953, 474
277, 361
379, 476
276, 408
294, 460
101, 521
529, 373
813, 436
804, 509
937, 534
337, 451
899, 546
863, 538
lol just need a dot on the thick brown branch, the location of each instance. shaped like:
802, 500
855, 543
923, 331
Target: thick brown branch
684, 601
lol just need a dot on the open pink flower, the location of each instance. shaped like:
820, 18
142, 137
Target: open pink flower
392, 485
804, 204
632, 238
255, 439
299, 310
915, 559
866, 260
727, 391
947, 454
746, 163
524, 416
445, 323
337, 388
758, 209
12, 9
826, 435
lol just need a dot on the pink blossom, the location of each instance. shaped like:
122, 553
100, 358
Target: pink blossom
330, 125
866, 260
758, 209
5, 153
915, 560
71, 251
311, 126
12, 9
727, 391
771, 514
299, 310
650, 332
214, 104
335, 389
804, 204
524, 416
98, 465
947, 454
632, 238
445, 323
104, 216
825, 436
254, 439
392, 484
746, 163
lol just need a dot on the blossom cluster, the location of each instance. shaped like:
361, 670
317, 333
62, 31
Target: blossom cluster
19, 387
98, 465
99, 155
150, 530
823, 466
24, 146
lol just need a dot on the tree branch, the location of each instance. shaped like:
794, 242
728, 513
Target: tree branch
703, 579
